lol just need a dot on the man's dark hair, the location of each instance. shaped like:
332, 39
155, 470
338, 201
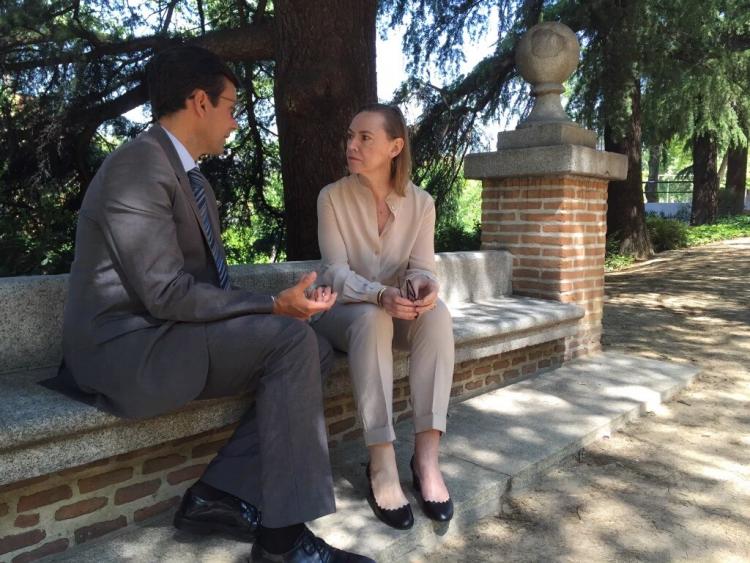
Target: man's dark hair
173, 74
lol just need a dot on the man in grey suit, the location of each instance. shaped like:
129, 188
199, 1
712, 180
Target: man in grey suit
152, 322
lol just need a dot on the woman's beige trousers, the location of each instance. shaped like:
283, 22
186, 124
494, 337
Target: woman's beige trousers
368, 334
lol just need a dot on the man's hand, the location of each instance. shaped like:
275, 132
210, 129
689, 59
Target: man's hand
427, 293
397, 306
293, 302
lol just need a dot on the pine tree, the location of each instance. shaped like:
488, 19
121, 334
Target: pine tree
71, 69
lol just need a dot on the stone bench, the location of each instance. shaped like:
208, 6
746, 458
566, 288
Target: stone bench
58, 452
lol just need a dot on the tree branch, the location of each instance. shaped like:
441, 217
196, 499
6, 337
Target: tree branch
251, 43
168, 17
260, 11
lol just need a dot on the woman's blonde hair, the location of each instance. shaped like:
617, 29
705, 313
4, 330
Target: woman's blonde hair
395, 128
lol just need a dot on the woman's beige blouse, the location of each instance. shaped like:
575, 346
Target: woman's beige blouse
357, 262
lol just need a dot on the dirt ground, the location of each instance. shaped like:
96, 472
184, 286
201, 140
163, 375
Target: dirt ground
675, 484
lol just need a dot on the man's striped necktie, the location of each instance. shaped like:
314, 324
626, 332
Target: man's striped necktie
198, 184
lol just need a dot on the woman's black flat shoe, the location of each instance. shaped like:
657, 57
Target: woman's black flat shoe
438, 511
400, 518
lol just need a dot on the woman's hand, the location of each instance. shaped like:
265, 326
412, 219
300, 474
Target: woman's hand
321, 294
427, 293
294, 301
397, 306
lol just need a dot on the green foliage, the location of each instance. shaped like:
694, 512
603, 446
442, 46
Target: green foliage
459, 226
454, 104
69, 72
615, 262
670, 234
666, 234
723, 229
451, 238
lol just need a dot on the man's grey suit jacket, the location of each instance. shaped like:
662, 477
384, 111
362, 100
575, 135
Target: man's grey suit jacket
143, 284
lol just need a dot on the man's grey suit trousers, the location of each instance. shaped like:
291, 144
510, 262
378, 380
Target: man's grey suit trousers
277, 459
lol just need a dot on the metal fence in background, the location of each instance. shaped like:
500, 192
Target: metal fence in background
669, 191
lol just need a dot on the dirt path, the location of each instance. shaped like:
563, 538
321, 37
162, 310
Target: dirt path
675, 484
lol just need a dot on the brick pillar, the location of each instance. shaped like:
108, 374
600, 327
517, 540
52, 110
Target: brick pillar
547, 204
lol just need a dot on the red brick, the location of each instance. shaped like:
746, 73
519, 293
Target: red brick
516, 360
18, 541
154, 509
525, 273
457, 390
472, 385
186, 473
23, 484
520, 228
522, 204
523, 251
140, 453
493, 379
537, 352
499, 364
26, 520
562, 228
80, 508
194, 438
528, 369
334, 411
43, 498
398, 406
164, 462
82, 468
341, 425
88, 533
482, 370
209, 448
134, 492
546, 217
461, 376
57, 546
405, 416
501, 239
102, 480
544, 363
353, 435
510, 374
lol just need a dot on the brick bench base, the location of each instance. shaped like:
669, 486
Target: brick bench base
50, 513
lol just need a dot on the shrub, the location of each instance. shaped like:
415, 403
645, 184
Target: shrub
666, 234
723, 229
449, 238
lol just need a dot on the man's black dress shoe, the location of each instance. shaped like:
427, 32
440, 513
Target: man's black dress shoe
439, 511
307, 549
227, 515
400, 518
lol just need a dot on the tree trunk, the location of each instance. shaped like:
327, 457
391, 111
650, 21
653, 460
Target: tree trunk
705, 180
626, 214
737, 177
652, 186
325, 71
723, 167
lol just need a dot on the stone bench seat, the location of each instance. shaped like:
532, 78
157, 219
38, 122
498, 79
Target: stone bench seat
42, 431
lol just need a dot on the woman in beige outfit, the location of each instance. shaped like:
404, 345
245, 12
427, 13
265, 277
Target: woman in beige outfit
376, 233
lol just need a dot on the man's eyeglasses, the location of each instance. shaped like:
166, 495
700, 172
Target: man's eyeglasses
234, 110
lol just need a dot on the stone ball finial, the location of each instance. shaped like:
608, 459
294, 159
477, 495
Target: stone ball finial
546, 56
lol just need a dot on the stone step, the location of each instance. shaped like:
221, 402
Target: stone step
495, 442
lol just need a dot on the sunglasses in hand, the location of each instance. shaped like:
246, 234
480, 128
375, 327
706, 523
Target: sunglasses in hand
411, 295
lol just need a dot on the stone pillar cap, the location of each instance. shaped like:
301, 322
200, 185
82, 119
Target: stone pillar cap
546, 56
